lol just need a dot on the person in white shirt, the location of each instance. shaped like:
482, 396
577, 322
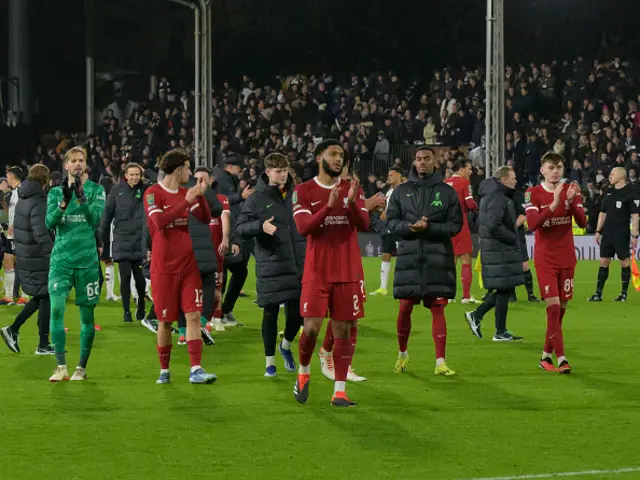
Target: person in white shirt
394, 178
15, 176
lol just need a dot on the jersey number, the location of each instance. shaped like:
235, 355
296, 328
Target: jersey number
356, 304
93, 289
568, 285
198, 297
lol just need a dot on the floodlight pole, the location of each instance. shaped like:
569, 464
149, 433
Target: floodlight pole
494, 119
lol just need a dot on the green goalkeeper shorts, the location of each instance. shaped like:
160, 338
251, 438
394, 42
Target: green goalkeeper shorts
86, 281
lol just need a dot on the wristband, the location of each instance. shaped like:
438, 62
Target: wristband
599, 232
634, 236
61, 207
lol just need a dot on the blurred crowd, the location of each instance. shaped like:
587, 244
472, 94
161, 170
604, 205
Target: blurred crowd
586, 110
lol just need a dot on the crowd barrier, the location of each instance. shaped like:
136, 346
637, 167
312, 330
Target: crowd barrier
585, 246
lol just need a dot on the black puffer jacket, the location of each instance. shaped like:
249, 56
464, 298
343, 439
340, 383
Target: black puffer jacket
203, 248
228, 185
125, 209
32, 239
425, 263
279, 257
499, 243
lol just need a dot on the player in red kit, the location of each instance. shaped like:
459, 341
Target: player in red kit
329, 212
550, 208
220, 235
175, 277
462, 244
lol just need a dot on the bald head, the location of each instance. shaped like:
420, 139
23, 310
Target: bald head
618, 177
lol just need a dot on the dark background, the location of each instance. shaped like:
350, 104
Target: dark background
262, 38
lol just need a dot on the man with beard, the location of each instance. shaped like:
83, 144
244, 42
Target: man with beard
425, 212
74, 211
330, 211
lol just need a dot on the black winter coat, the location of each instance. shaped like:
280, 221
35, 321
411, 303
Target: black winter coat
203, 248
228, 185
33, 241
125, 209
279, 257
425, 263
500, 250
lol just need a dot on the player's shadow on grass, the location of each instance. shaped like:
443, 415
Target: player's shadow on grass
614, 390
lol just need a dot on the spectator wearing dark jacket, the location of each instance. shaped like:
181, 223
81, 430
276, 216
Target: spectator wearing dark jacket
500, 251
425, 212
125, 210
267, 219
33, 245
228, 184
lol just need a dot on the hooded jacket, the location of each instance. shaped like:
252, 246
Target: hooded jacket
425, 262
279, 257
33, 242
500, 250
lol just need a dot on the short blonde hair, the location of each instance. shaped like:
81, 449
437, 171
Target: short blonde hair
39, 173
73, 150
503, 172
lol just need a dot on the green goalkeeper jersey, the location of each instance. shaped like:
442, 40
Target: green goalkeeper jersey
75, 227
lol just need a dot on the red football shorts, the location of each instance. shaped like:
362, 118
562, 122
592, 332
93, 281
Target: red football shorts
556, 282
220, 272
173, 292
343, 302
428, 301
462, 242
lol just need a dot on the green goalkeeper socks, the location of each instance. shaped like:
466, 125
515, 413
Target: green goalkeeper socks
203, 321
182, 331
56, 325
87, 334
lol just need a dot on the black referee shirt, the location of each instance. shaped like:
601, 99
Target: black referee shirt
619, 204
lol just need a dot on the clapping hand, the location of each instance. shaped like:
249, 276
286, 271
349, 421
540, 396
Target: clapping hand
268, 227
353, 190
572, 192
557, 192
333, 196
420, 225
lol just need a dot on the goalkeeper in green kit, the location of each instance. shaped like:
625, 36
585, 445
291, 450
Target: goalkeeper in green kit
73, 213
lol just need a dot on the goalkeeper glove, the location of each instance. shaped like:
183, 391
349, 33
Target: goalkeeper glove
79, 189
66, 194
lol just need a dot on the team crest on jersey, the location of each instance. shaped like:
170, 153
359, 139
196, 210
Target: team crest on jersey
346, 202
150, 198
527, 197
294, 197
436, 201
618, 204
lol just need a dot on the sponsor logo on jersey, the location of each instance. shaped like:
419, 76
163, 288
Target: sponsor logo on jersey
313, 204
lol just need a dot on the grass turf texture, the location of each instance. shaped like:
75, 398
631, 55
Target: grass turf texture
500, 416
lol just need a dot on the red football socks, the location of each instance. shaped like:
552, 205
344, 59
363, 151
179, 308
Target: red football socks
306, 346
342, 358
554, 341
439, 331
353, 337
403, 325
562, 312
164, 354
195, 352
467, 278
327, 344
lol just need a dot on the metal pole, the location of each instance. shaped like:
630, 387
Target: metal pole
90, 71
198, 112
489, 149
204, 58
19, 60
498, 34
209, 110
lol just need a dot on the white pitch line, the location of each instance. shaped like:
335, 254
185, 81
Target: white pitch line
563, 474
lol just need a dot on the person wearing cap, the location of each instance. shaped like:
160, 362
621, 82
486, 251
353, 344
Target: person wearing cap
228, 184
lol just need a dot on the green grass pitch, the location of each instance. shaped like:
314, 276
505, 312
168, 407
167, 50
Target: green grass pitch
500, 416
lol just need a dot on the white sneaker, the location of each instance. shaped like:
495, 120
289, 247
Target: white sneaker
60, 375
79, 375
354, 377
466, 301
326, 363
113, 298
217, 325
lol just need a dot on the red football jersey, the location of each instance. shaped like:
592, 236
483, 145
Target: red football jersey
168, 219
333, 252
216, 222
462, 186
554, 247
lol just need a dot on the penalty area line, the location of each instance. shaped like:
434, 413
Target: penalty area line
619, 471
